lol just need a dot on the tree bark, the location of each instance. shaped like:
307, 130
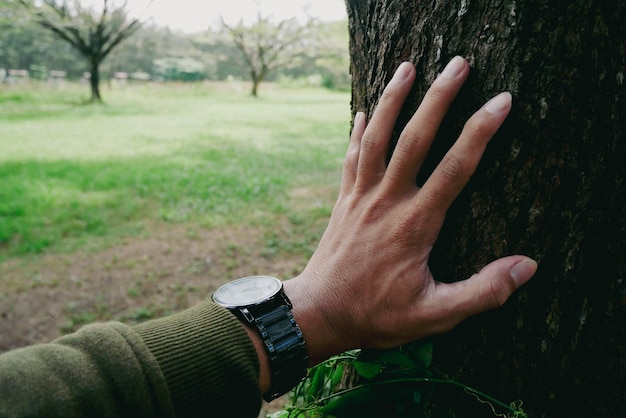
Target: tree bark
94, 80
551, 185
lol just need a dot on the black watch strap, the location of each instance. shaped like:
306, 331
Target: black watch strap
286, 349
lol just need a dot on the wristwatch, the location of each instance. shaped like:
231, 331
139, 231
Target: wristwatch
261, 303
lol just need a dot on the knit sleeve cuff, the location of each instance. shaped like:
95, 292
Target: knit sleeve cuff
208, 360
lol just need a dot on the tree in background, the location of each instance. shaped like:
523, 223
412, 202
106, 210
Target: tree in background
169, 55
8, 17
266, 45
552, 185
94, 34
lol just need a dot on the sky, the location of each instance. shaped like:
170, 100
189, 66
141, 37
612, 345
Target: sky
197, 15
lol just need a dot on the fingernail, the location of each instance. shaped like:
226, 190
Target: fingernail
523, 270
499, 104
402, 72
454, 68
358, 117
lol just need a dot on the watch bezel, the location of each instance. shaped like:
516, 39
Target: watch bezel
259, 301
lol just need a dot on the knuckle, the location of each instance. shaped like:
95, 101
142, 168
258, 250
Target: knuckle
375, 211
368, 144
477, 127
498, 293
389, 97
435, 93
409, 138
451, 167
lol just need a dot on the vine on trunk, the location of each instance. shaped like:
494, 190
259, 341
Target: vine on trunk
392, 383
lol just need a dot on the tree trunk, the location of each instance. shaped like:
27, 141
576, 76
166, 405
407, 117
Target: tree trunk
255, 87
94, 80
257, 79
551, 185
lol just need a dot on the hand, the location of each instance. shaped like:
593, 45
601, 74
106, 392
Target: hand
368, 284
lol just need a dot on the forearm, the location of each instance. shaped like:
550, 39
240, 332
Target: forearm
188, 364
100, 371
206, 357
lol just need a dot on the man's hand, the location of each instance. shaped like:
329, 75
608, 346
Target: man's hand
368, 284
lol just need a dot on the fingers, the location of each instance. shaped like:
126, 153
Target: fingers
418, 134
375, 141
351, 160
488, 289
460, 162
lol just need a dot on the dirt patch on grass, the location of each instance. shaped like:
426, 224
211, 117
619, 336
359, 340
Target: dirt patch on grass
143, 278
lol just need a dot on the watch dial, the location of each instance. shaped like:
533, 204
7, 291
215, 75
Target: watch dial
247, 291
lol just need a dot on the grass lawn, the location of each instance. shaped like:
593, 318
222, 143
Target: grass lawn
82, 176
141, 207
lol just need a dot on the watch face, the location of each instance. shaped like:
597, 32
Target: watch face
247, 291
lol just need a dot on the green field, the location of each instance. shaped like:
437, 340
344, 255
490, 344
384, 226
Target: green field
141, 207
76, 176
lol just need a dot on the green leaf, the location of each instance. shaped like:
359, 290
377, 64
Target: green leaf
349, 401
367, 370
337, 376
317, 382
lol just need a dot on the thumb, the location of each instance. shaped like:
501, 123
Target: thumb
487, 289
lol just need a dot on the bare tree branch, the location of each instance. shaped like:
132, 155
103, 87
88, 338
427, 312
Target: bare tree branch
266, 45
94, 35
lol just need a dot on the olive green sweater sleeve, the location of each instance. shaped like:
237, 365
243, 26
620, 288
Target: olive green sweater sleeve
209, 362
199, 362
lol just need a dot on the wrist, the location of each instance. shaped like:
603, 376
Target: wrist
264, 308
321, 334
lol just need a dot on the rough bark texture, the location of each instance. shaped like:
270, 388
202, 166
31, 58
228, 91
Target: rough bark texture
551, 185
